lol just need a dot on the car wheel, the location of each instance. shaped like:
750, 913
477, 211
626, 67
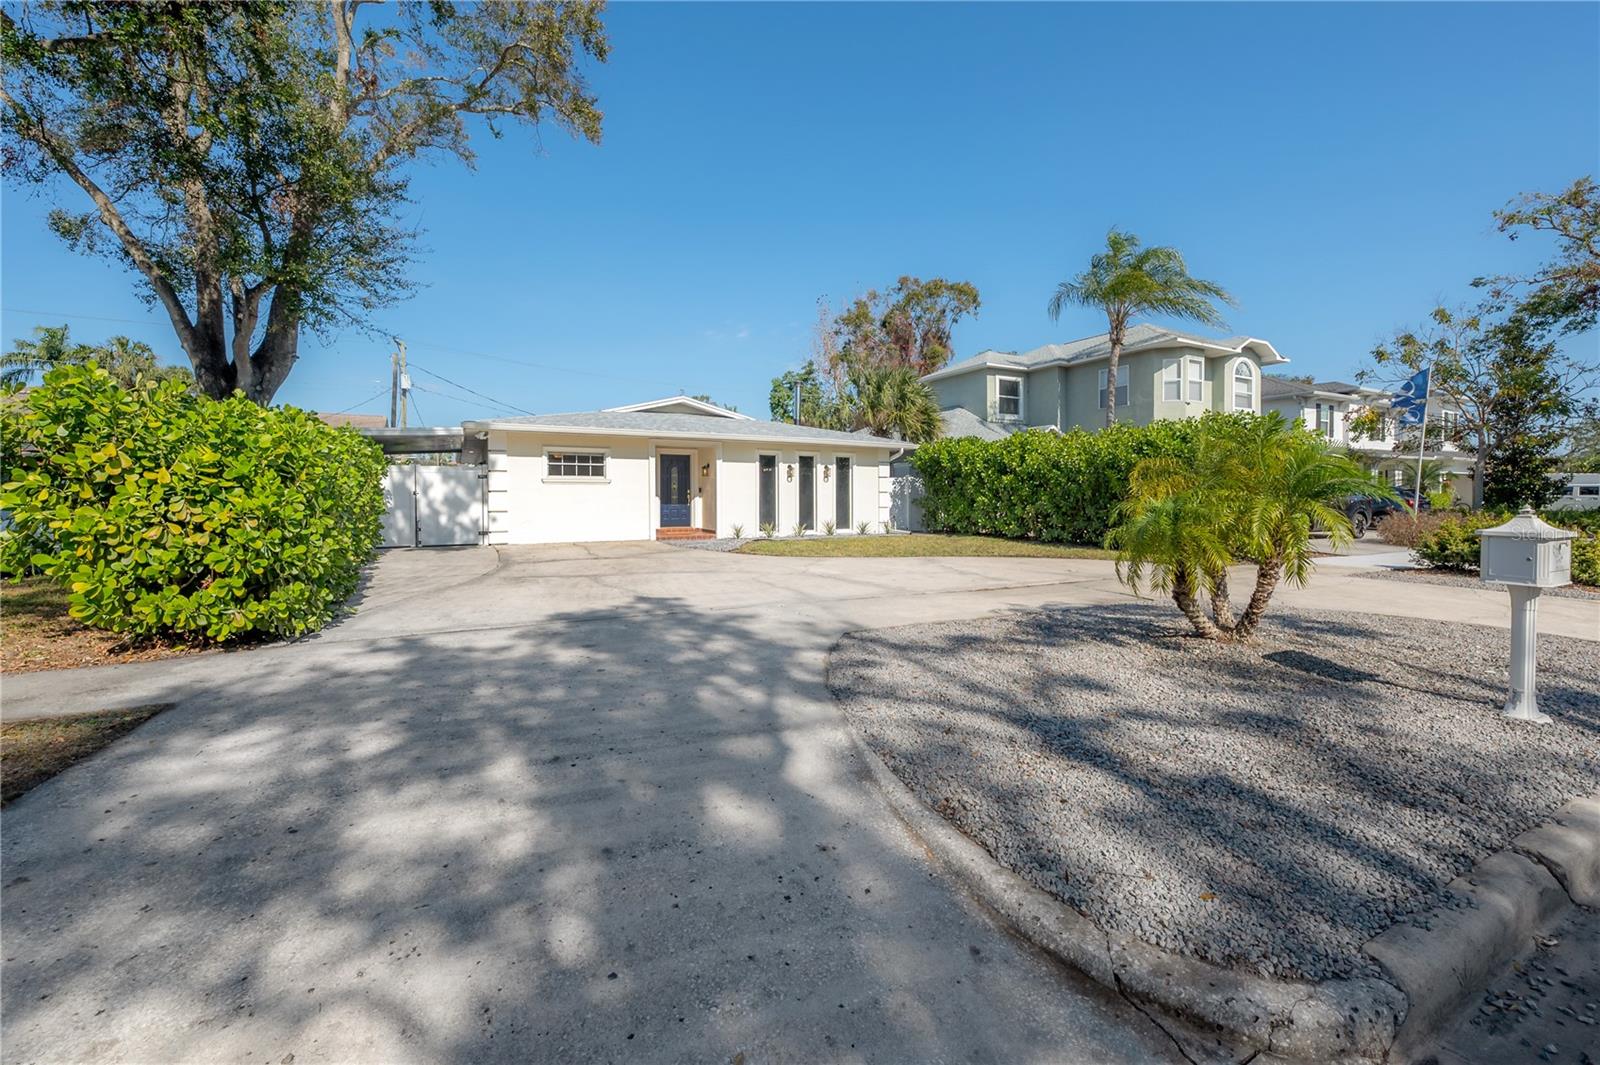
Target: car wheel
1358, 525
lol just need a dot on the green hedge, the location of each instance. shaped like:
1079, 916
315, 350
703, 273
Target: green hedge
170, 515
1038, 485
1453, 543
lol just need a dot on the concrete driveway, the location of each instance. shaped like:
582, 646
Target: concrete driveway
569, 803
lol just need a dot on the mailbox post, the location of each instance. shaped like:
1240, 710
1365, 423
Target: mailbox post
1527, 556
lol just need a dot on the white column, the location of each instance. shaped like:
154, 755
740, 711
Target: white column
1524, 640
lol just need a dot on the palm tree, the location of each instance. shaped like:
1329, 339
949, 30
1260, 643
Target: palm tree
1252, 492
892, 401
125, 360
1127, 279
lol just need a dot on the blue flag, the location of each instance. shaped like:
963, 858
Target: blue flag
1412, 394
1411, 413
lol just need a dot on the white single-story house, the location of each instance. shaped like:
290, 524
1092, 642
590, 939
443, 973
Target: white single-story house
675, 468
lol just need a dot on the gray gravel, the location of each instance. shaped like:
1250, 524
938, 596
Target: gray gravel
1451, 578
1269, 806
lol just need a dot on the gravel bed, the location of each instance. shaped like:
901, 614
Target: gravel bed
1268, 806
1451, 578
725, 544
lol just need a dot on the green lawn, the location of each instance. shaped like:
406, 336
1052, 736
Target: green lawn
917, 545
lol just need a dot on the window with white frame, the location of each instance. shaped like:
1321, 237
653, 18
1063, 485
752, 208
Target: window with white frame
1451, 420
1325, 419
1197, 379
1172, 380
575, 465
1008, 397
1244, 386
1122, 386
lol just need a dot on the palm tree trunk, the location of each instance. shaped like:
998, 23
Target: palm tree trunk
1183, 595
1221, 604
1267, 576
1115, 336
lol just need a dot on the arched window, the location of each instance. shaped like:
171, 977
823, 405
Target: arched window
1244, 385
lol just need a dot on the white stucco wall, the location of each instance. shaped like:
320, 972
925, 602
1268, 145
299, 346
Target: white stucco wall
527, 508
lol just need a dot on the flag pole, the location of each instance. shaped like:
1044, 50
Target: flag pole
1422, 443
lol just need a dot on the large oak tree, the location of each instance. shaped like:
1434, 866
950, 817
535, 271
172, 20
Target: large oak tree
248, 159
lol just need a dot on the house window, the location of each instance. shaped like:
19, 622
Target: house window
1197, 379
1009, 393
1451, 420
575, 465
1325, 419
1171, 380
1244, 386
1122, 387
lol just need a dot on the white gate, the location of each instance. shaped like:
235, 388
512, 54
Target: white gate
433, 506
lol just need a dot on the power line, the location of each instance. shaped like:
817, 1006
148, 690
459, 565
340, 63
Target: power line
464, 388
498, 407
384, 391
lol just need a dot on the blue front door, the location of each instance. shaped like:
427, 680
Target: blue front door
675, 505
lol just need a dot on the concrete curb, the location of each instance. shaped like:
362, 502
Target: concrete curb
1434, 970
1510, 895
1332, 1021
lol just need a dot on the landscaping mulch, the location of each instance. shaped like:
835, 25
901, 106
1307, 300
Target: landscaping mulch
1454, 579
1267, 806
32, 752
36, 632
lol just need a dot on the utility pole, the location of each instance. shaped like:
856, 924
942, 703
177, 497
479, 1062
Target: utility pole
399, 385
405, 381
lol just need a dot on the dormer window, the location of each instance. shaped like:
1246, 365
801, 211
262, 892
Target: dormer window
1008, 397
1244, 385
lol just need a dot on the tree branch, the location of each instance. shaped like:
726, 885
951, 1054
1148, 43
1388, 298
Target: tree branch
62, 155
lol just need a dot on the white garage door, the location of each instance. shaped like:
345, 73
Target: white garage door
433, 506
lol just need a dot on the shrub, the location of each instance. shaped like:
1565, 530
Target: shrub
1584, 521
1402, 528
768, 529
1039, 485
829, 528
738, 531
1454, 544
167, 514
1586, 561
863, 527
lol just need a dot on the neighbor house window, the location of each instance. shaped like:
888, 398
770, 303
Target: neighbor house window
1122, 387
1325, 419
1008, 390
1172, 380
1244, 386
1197, 379
587, 465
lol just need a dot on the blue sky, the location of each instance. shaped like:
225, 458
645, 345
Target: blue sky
1335, 166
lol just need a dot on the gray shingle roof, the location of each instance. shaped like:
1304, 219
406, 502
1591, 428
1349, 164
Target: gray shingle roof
1136, 338
959, 421
646, 423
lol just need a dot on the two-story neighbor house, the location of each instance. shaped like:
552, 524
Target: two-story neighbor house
1162, 373
1328, 406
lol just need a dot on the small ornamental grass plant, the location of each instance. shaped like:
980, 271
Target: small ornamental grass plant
173, 516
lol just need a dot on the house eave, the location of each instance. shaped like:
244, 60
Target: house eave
874, 442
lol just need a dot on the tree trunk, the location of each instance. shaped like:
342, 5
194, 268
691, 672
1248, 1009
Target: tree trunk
1183, 595
1267, 576
1221, 604
1115, 337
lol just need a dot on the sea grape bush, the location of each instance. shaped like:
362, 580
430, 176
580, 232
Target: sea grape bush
170, 515
1040, 485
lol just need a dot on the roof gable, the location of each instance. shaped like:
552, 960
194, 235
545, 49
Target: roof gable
679, 405
1140, 337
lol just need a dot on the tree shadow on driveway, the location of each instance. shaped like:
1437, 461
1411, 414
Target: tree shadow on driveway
634, 834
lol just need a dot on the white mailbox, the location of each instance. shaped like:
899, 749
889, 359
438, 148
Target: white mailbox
1527, 556
1526, 551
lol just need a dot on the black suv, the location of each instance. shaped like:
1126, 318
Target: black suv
1364, 511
